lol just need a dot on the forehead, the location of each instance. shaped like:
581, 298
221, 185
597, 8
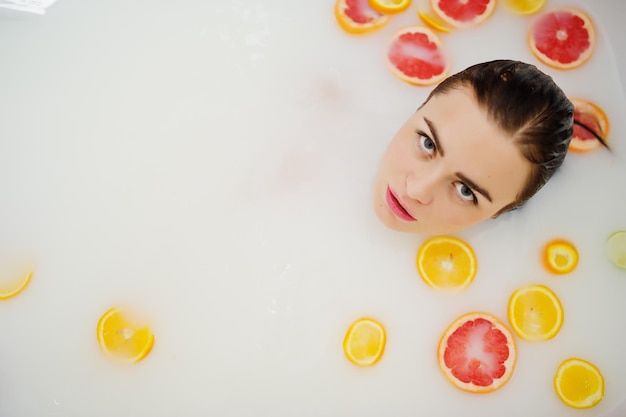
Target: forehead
474, 144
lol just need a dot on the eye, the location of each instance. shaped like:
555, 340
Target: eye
465, 193
427, 144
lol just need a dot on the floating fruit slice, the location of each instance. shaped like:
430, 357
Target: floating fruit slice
579, 383
390, 6
563, 39
415, 55
357, 16
13, 287
121, 339
560, 256
432, 22
590, 123
447, 263
616, 248
463, 13
535, 313
364, 343
524, 7
477, 353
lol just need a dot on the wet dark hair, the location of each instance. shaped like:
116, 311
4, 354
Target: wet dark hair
526, 104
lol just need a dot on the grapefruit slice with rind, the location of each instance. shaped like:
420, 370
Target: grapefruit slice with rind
591, 126
563, 39
432, 22
122, 338
12, 287
477, 353
616, 248
524, 7
463, 13
535, 313
364, 342
358, 17
415, 55
560, 256
390, 6
579, 383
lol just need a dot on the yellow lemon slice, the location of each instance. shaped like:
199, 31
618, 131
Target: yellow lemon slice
560, 256
390, 6
616, 248
364, 343
121, 339
579, 383
447, 263
524, 7
535, 313
13, 287
432, 22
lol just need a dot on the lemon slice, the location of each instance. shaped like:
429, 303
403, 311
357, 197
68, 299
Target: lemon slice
524, 7
447, 263
616, 248
579, 383
390, 6
14, 287
432, 22
364, 343
535, 313
122, 339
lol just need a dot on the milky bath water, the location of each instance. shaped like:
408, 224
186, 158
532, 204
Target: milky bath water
209, 165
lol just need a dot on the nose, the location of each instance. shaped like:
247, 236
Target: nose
421, 186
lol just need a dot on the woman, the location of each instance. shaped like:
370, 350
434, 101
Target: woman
485, 140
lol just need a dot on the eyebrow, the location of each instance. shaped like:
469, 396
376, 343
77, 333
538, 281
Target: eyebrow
462, 177
473, 186
433, 133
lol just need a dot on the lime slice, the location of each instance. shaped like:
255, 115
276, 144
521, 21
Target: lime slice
616, 248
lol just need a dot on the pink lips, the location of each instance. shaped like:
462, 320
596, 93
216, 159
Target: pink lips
397, 208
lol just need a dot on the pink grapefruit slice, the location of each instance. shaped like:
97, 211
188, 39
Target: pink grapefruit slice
563, 39
477, 353
590, 123
415, 55
463, 13
358, 17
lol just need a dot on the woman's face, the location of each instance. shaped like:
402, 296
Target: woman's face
449, 167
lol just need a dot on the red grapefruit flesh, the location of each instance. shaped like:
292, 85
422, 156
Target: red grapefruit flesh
358, 17
589, 121
415, 55
477, 353
563, 39
463, 13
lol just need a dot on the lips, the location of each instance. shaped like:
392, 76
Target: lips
397, 208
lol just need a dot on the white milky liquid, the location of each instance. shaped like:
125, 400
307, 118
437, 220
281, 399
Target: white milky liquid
209, 165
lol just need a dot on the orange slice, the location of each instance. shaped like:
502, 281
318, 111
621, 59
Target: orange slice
563, 39
11, 288
463, 13
390, 6
524, 7
579, 383
432, 22
122, 339
446, 263
477, 353
364, 342
357, 16
415, 55
560, 256
535, 313
590, 121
